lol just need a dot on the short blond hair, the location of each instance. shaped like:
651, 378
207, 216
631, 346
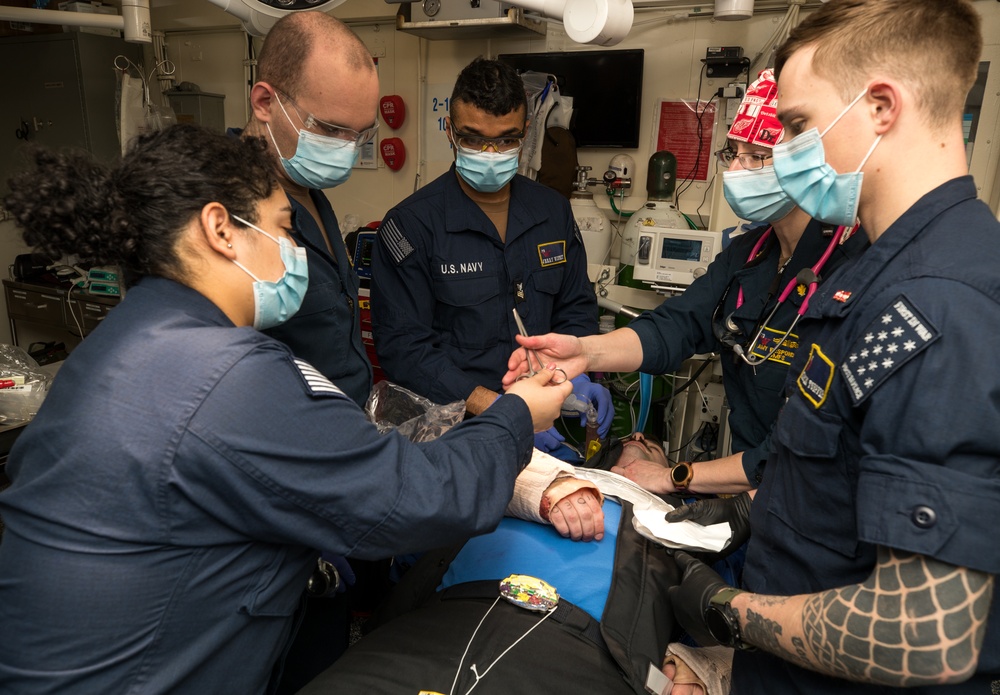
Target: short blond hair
932, 46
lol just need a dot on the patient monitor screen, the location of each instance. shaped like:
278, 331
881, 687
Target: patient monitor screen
681, 249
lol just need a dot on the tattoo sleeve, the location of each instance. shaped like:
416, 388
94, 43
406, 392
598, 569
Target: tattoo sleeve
915, 621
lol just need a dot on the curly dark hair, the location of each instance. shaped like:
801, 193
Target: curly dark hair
490, 85
132, 213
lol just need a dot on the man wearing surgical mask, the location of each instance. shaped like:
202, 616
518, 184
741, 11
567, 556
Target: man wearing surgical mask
315, 104
873, 557
455, 259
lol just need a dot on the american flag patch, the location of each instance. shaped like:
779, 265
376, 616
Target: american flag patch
316, 383
896, 336
397, 244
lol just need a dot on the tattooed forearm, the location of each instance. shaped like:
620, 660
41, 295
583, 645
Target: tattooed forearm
762, 632
915, 621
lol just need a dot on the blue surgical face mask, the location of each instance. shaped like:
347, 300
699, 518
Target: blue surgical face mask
802, 171
276, 302
319, 161
755, 195
487, 172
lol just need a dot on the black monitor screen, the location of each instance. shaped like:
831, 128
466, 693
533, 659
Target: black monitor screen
681, 249
606, 87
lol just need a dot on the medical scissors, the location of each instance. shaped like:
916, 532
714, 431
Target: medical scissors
531, 353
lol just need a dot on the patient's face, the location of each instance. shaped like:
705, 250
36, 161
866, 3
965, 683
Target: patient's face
637, 447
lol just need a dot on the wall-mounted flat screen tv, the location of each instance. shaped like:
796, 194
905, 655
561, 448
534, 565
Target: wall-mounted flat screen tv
606, 87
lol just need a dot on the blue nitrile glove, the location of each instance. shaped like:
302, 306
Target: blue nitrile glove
600, 398
549, 440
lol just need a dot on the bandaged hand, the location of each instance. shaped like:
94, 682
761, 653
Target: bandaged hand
686, 681
600, 398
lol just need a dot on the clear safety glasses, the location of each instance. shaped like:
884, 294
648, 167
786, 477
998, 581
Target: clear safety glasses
477, 143
330, 130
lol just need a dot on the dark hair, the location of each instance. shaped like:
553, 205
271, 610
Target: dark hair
292, 40
491, 86
132, 213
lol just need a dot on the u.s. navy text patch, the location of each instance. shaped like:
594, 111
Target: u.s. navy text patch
815, 378
552, 253
899, 334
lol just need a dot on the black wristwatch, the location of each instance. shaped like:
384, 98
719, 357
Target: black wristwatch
681, 475
722, 620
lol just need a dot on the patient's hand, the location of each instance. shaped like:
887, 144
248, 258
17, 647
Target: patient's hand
579, 515
670, 671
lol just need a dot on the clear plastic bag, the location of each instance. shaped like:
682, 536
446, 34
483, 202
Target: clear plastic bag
391, 406
23, 385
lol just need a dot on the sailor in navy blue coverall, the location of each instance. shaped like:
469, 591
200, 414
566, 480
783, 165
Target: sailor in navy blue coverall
326, 331
444, 284
873, 557
682, 326
889, 437
294, 102
183, 508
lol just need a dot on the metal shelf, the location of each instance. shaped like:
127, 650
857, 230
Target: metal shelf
513, 25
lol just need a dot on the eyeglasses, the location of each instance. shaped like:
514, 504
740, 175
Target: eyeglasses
748, 160
477, 143
329, 129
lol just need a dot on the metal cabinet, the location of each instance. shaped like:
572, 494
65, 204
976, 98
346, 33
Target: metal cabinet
54, 309
59, 91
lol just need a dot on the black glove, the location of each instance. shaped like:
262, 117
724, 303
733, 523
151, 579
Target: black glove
699, 583
735, 510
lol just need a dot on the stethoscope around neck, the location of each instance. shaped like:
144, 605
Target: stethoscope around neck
727, 332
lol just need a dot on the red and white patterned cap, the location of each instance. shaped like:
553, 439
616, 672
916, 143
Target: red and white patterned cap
756, 120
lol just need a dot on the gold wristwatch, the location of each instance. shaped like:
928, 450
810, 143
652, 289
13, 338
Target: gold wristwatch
681, 475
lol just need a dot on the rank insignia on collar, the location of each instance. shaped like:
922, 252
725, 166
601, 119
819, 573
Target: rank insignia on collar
841, 295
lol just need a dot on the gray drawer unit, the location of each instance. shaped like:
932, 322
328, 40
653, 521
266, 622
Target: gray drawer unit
54, 308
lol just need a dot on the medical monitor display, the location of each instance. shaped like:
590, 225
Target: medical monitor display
606, 87
681, 249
